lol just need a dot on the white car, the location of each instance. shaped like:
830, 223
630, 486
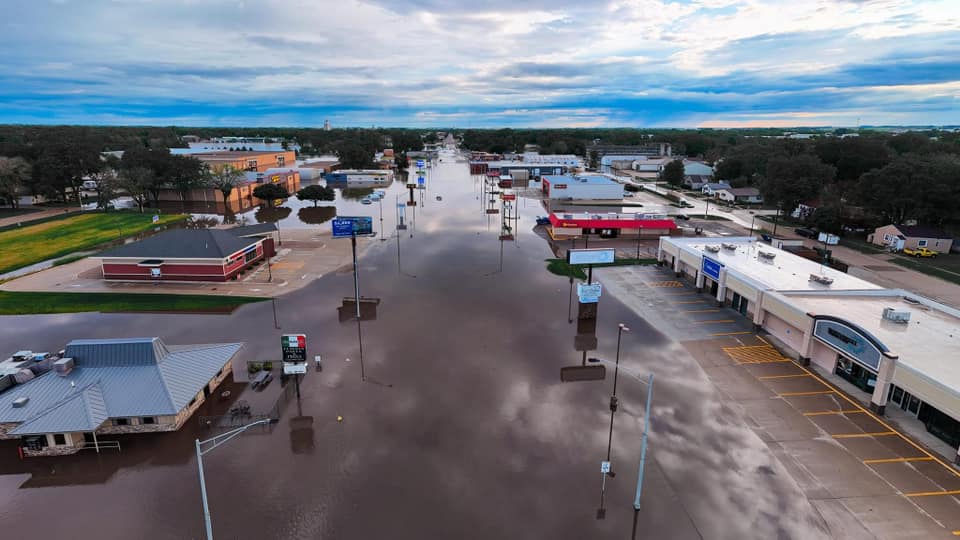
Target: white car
88, 184
627, 195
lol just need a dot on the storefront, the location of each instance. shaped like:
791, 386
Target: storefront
856, 355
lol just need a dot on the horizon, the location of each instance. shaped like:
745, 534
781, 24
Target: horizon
636, 64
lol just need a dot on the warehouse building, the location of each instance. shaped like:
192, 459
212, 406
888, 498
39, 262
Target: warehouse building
896, 346
590, 187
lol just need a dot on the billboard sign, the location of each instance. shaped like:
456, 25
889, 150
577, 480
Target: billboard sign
711, 268
294, 347
508, 196
590, 256
347, 226
294, 368
421, 180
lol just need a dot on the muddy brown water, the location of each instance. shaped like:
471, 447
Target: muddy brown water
463, 428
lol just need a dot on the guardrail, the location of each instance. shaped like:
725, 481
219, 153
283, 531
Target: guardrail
100, 445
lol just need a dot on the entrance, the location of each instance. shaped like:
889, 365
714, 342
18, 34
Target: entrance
714, 287
856, 374
739, 303
907, 401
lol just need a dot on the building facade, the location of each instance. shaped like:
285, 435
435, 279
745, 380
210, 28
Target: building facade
590, 187
900, 237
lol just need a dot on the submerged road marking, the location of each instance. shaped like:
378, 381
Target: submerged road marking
932, 493
861, 435
768, 377
812, 393
842, 411
730, 334
897, 460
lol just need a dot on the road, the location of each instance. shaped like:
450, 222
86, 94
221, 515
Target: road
462, 428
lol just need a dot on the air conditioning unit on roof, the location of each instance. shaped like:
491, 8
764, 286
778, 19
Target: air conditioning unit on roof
819, 278
767, 255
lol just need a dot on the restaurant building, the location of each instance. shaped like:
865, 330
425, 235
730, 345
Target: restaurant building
609, 225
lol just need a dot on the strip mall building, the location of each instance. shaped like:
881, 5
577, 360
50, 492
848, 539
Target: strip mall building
896, 346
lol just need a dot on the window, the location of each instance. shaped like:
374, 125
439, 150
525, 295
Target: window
251, 165
886, 237
121, 422
921, 243
148, 420
280, 161
59, 439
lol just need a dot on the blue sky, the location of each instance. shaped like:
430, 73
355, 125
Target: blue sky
550, 63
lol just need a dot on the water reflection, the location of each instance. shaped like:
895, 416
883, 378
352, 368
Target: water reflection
316, 215
267, 214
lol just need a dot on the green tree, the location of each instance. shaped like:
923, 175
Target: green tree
63, 165
107, 186
15, 172
270, 193
225, 177
355, 156
185, 173
673, 172
137, 182
925, 188
317, 193
853, 156
791, 180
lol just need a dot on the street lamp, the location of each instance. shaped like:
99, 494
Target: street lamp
751, 223
223, 438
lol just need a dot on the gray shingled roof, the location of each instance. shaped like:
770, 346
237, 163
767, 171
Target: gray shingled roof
157, 380
922, 231
184, 244
249, 230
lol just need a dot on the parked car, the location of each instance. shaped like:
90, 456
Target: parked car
261, 380
627, 194
683, 217
806, 233
88, 184
920, 252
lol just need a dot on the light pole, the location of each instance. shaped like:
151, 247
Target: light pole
751, 224
215, 442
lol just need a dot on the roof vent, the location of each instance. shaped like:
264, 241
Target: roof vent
896, 315
767, 255
731, 247
712, 248
63, 366
820, 278
20, 402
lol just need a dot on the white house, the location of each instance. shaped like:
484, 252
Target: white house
712, 188
746, 195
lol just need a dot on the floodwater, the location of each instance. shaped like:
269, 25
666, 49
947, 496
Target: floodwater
462, 428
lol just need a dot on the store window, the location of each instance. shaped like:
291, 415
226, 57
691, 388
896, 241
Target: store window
921, 243
59, 439
148, 420
855, 374
121, 422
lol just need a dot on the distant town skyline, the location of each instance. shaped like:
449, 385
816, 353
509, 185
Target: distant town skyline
563, 63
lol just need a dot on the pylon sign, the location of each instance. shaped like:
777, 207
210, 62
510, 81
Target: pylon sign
294, 347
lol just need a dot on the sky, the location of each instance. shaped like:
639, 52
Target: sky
481, 63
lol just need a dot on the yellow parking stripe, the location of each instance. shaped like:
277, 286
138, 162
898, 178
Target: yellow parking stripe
932, 493
897, 460
842, 411
689, 302
672, 284
730, 334
814, 393
769, 377
859, 435
714, 321
702, 311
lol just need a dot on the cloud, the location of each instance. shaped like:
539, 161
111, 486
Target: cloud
624, 62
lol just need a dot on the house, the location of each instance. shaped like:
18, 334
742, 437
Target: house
593, 187
190, 254
112, 386
805, 209
747, 195
696, 174
712, 188
899, 237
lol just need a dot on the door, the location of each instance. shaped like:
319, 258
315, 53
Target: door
743, 306
714, 287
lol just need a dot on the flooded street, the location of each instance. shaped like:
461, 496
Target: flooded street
462, 429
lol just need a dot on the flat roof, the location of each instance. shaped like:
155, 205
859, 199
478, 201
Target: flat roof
928, 343
581, 179
784, 272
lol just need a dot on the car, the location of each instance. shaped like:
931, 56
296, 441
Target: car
806, 233
920, 252
683, 217
627, 195
88, 184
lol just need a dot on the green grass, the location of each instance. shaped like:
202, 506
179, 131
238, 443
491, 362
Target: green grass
861, 245
561, 268
709, 217
68, 260
30, 303
23, 246
949, 272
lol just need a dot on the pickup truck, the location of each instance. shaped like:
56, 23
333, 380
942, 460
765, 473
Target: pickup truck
920, 252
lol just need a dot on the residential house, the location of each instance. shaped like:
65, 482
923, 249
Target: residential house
112, 386
696, 174
899, 237
745, 195
712, 188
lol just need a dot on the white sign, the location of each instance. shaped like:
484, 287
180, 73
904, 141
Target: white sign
589, 294
604, 467
294, 368
590, 256
156, 219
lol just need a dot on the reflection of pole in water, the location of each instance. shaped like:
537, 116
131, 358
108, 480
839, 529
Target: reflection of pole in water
276, 322
363, 376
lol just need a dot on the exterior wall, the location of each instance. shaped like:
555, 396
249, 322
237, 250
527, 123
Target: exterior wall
136, 425
74, 444
784, 331
940, 245
926, 390
187, 412
744, 289
877, 236
168, 272
823, 357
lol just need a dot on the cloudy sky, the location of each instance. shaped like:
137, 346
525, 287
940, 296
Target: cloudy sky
481, 63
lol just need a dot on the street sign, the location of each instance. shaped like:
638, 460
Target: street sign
411, 186
583, 373
156, 218
590, 256
589, 294
420, 163
604, 467
421, 180
508, 196
294, 368
294, 347
347, 226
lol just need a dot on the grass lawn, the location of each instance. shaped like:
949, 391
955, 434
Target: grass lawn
29, 303
709, 217
23, 246
861, 245
946, 267
561, 268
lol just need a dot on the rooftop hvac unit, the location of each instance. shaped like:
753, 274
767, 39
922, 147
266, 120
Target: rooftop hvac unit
895, 315
713, 248
63, 366
731, 247
821, 279
766, 255
20, 402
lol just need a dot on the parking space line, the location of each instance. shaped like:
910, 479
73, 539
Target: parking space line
763, 362
932, 493
813, 393
859, 435
714, 321
689, 302
730, 334
768, 377
701, 311
897, 460
841, 411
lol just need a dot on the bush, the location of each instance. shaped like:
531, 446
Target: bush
254, 367
268, 366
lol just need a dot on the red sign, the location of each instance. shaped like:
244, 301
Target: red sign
559, 186
508, 196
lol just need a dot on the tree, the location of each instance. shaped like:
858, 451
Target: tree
673, 172
185, 173
924, 188
853, 156
318, 215
355, 156
137, 182
107, 186
225, 177
270, 193
317, 193
62, 167
15, 172
792, 180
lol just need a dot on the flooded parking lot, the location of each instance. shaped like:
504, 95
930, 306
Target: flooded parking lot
462, 427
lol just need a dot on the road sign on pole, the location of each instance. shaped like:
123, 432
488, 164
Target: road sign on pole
604, 467
347, 226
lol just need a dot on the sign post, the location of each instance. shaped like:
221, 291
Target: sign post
352, 226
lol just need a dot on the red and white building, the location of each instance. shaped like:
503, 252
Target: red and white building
190, 254
610, 225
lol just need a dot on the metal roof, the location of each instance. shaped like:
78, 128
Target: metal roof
81, 410
140, 387
184, 244
251, 230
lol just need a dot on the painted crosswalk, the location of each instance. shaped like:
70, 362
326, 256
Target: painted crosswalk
661, 284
